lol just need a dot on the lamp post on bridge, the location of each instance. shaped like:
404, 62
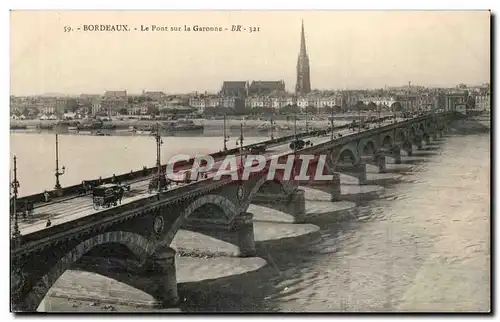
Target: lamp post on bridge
241, 137
295, 134
359, 118
409, 100
295, 127
272, 127
379, 119
240, 144
331, 125
159, 143
58, 174
394, 112
226, 137
307, 124
15, 186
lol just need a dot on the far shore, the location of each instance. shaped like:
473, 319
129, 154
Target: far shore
210, 124
280, 120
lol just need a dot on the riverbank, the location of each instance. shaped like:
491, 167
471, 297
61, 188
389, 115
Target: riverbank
205, 122
230, 120
207, 128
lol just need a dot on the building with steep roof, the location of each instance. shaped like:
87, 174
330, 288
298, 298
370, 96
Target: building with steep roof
266, 87
234, 89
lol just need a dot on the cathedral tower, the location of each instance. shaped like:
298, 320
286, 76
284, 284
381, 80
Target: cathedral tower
303, 85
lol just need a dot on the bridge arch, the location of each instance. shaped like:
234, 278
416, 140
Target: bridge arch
367, 147
227, 206
287, 188
138, 244
347, 156
387, 141
429, 125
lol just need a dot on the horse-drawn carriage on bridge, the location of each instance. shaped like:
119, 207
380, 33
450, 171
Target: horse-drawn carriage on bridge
299, 144
258, 149
358, 125
107, 195
88, 186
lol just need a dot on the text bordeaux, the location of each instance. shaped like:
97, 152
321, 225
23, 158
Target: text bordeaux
109, 28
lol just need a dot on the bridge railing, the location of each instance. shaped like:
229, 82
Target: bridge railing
346, 139
120, 211
144, 173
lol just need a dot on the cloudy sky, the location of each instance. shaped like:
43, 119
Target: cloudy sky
347, 49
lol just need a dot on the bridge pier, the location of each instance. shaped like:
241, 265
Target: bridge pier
336, 192
427, 139
239, 232
293, 205
408, 149
296, 205
356, 170
162, 275
380, 162
332, 187
243, 225
418, 142
396, 154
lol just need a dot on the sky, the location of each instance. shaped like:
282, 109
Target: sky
347, 50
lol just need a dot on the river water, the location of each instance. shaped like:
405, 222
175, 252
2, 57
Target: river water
424, 245
88, 157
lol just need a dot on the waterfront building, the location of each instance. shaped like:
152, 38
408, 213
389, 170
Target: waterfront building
483, 102
96, 105
454, 98
280, 101
157, 96
255, 102
203, 102
114, 101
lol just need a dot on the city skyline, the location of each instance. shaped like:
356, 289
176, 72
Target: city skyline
363, 50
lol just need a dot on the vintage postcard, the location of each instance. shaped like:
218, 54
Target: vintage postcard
250, 161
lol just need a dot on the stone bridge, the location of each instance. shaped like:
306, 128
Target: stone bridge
142, 231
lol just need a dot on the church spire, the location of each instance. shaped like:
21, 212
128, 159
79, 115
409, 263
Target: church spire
303, 85
303, 50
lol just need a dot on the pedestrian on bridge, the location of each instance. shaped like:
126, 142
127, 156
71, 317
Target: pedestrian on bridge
28, 209
46, 196
113, 179
85, 188
49, 223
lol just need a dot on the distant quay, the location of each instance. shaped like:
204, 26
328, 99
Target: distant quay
144, 127
96, 127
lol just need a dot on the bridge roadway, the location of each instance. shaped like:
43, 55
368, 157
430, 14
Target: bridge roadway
81, 206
